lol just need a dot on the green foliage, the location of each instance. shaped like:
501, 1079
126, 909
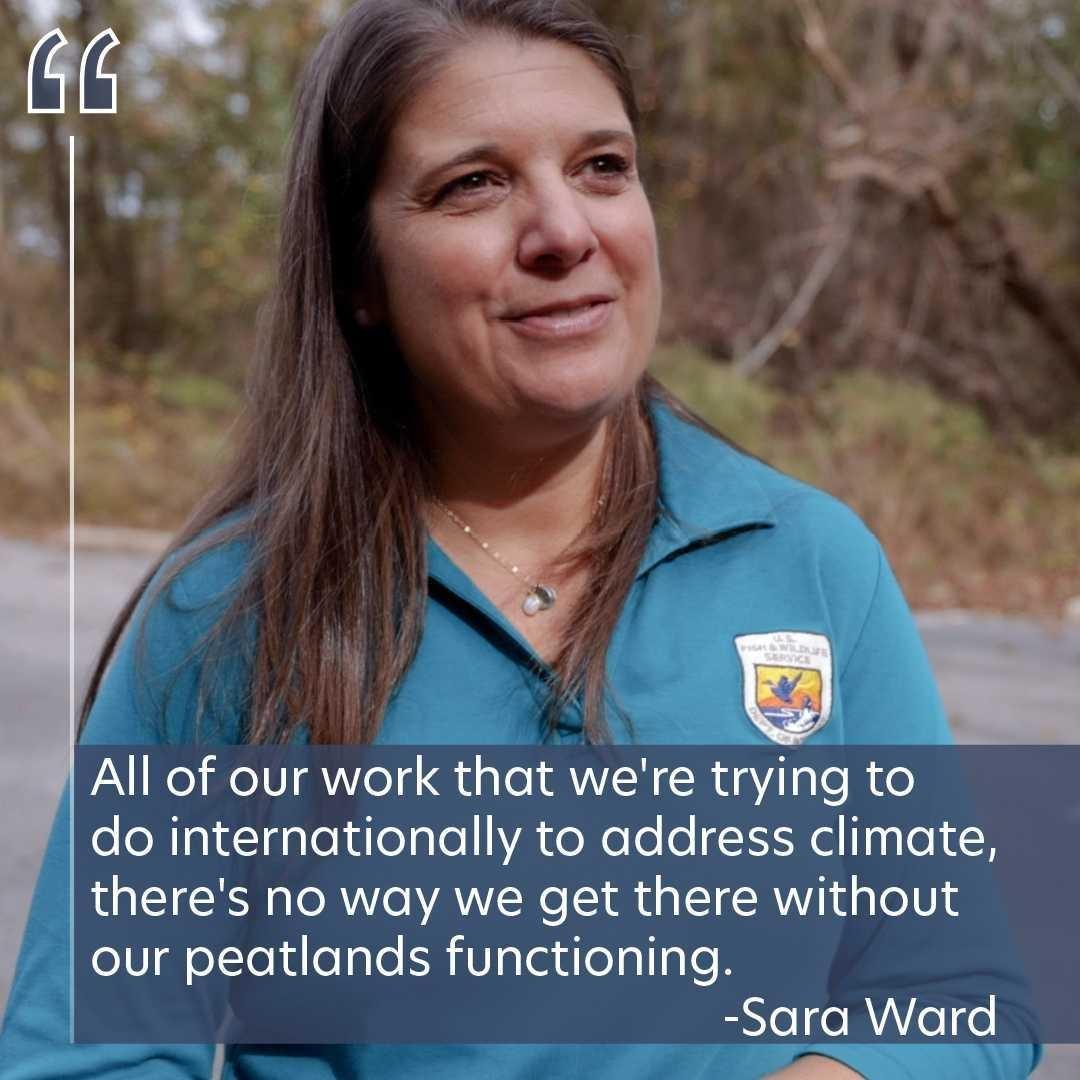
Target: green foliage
902, 412
198, 393
740, 408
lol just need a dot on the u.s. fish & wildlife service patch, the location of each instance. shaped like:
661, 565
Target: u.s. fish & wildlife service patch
787, 683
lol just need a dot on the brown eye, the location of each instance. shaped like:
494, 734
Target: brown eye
465, 184
612, 165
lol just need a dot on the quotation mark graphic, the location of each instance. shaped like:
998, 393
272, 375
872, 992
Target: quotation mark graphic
45, 89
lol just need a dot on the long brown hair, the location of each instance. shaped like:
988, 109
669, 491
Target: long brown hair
327, 486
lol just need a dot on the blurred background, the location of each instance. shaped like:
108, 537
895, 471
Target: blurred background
870, 212
870, 222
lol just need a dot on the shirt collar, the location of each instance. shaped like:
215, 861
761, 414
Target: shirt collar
707, 488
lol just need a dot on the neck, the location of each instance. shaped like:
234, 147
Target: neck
532, 500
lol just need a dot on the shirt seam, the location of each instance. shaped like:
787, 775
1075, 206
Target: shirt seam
866, 617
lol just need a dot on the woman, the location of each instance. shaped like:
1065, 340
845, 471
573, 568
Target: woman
457, 463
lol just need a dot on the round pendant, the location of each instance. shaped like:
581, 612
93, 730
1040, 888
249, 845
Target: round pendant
540, 598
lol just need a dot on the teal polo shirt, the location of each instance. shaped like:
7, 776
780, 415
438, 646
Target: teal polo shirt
745, 568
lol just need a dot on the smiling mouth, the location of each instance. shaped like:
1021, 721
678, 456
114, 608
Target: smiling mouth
568, 322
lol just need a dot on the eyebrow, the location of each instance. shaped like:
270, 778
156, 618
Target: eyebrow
490, 150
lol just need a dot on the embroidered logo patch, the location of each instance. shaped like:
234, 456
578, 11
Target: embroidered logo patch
787, 683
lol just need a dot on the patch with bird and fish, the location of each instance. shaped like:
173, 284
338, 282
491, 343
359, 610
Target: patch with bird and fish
787, 683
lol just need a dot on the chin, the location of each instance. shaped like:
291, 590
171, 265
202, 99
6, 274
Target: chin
582, 392
579, 409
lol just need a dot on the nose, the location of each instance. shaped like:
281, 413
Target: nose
557, 233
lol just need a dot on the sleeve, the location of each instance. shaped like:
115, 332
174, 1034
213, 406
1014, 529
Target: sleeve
153, 676
890, 697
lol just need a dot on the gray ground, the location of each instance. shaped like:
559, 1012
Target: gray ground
992, 671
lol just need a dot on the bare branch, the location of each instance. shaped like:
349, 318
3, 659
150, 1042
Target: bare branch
911, 183
800, 306
817, 41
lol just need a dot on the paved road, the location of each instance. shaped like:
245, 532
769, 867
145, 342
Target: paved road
1006, 680
995, 676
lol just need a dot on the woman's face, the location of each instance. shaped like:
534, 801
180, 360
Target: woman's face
515, 242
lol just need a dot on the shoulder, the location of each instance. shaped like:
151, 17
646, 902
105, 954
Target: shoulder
203, 574
807, 519
153, 688
790, 552
715, 487
820, 548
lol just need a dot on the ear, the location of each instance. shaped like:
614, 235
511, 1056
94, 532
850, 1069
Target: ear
369, 307
366, 291
367, 312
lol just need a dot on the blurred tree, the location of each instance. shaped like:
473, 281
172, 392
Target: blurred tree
885, 184
872, 183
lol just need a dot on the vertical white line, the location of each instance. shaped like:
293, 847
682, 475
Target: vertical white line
71, 587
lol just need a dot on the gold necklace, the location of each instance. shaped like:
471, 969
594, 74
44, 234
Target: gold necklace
540, 597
